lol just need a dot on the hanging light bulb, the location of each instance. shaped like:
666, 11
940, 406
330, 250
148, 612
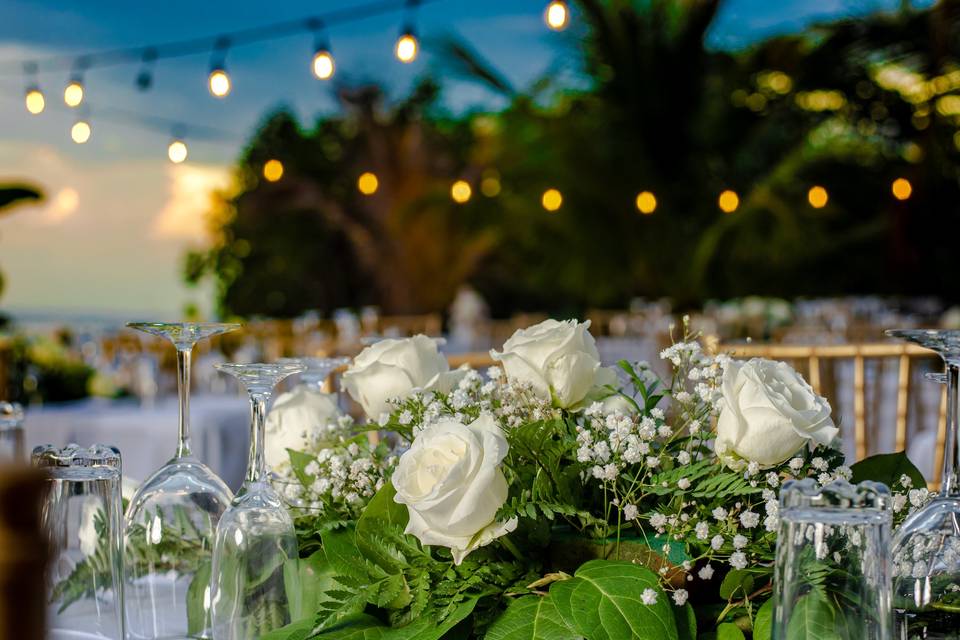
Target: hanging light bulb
557, 15
407, 46
73, 93
219, 81
34, 100
80, 132
323, 65
177, 151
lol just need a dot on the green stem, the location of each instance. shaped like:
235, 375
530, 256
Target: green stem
512, 548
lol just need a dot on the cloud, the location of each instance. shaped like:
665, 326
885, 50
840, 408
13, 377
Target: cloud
190, 197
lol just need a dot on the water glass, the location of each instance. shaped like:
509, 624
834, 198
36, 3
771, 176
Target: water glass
11, 432
832, 575
81, 516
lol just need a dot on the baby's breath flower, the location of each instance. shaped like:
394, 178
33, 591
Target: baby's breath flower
649, 597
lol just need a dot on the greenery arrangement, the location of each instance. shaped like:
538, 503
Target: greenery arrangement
555, 499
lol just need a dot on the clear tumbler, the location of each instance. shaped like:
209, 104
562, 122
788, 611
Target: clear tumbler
832, 575
81, 516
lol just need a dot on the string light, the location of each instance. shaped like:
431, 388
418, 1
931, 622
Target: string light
557, 15
177, 151
34, 100
367, 183
407, 47
817, 197
73, 93
728, 201
219, 81
551, 200
273, 170
461, 191
80, 132
901, 188
646, 202
323, 65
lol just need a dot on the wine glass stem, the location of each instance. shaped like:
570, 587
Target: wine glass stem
950, 481
257, 462
183, 390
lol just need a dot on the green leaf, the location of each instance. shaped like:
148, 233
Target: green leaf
730, 631
812, 617
315, 578
603, 602
686, 620
300, 630
361, 626
298, 463
341, 551
196, 592
887, 468
737, 579
380, 516
530, 618
762, 625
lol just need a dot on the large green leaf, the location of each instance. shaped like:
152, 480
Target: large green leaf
315, 577
686, 620
530, 618
603, 602
730, 631
764, 621
197, 597
361, 626
737, 580
340, 549
812, 617
887, 468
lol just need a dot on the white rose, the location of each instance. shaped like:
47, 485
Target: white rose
559, 359
396, 368
769, 413
451, 482
298, 419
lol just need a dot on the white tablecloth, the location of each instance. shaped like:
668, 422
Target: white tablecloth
147, 436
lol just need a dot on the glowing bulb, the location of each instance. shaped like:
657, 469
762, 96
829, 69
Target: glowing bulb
367, 183
817, 197
73, 94
35, 101
219, 82
461, 191
646, 202
406, 48
273, 170
901, 188
177, 151
323, 66
80, 132
728, 201
551, 200
557, 15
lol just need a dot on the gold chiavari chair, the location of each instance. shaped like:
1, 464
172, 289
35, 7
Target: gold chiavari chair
812, 360
479, 360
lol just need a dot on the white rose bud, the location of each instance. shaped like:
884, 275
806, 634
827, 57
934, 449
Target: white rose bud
559, 359
451, 481
392, 369
769, 413
297, 419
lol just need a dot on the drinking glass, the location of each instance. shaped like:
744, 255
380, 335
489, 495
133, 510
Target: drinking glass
926, 548
81, 515
172, 518
254, 584
832, 572
11, 432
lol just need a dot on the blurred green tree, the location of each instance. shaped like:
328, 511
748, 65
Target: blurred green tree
11, 195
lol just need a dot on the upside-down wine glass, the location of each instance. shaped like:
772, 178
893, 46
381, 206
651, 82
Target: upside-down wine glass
254, 584
171, 520
926, 547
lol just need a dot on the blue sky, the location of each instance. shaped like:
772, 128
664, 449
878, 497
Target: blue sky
119, 216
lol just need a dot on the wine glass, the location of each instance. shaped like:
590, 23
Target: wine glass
172, 519
926, 547
254, 585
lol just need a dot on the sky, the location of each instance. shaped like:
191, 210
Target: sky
118, 217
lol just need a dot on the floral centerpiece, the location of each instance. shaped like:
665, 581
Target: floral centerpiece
552, 497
